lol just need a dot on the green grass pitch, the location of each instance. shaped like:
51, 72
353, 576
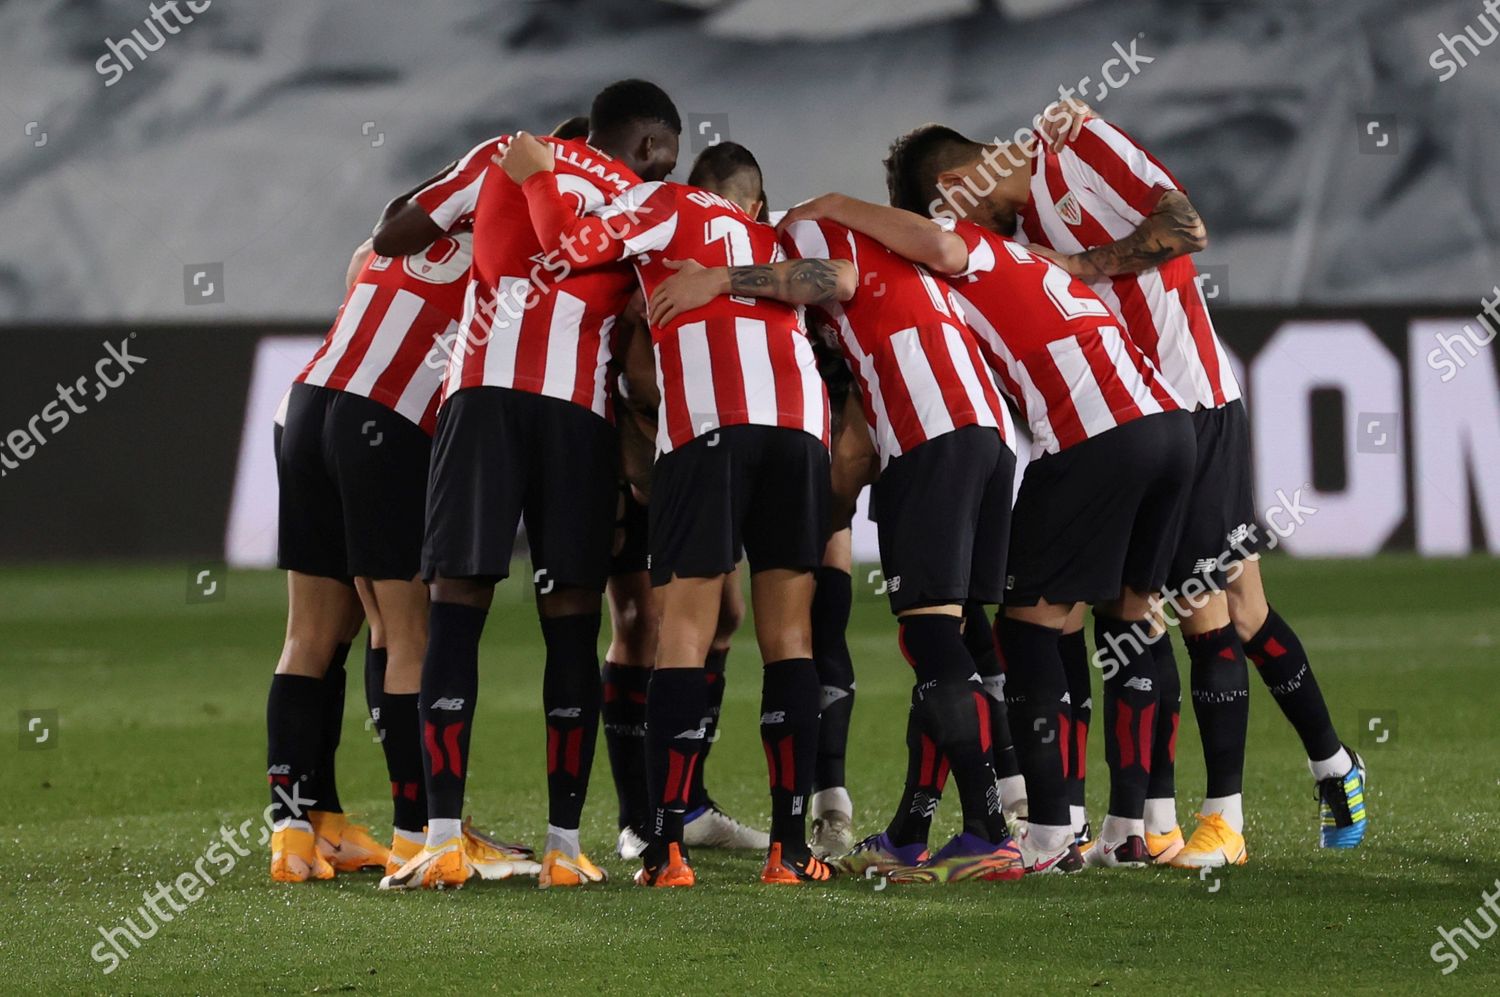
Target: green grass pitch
159, 742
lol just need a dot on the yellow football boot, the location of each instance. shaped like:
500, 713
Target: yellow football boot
347, 846
1163, 848
1213, 844
561, 869
295, 858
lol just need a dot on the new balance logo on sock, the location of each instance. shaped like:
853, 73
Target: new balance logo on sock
693, 734
447, 703
1138, 683
279, 770
773, 717
567, 712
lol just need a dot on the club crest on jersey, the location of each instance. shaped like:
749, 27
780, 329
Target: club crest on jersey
1068, 209
443, 262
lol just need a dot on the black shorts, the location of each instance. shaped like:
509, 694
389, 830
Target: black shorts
945, 520
502, 456
1102, 515
1219, 528
352, 477
632, 552
760, 489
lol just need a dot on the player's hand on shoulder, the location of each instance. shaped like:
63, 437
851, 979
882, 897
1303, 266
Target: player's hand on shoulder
692, 286
525, 156
1061, 122
811, 210
1072, 264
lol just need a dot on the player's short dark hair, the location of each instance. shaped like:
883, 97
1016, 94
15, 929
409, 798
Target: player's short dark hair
575, 127
627, 101
916, 159
728, 166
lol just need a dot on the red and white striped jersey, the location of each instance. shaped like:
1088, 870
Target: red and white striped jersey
920, 372
1056, 348
735, 361
1097, 190
531, 321
387, 343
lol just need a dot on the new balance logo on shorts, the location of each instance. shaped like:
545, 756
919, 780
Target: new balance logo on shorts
1204, 565
1239, 534
448, 703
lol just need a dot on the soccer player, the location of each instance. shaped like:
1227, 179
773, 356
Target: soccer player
635, 619
1111, 214
1098, 512
743, 462
526, 383
943, 501
352, 450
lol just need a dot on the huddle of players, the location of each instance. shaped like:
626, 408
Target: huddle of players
1140, 479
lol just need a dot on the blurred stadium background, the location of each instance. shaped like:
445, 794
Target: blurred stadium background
201, 190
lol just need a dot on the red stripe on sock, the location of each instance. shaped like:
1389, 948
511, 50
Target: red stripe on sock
770, 762
788, 764
1147, 734
982, 704
1081, 748
410, 791
674, 776
1273, 648
552, 739
450, 742
1172, 741
1064, 738
429, 738
942, 775
1124, 734
687, 777
929, 759
572, 751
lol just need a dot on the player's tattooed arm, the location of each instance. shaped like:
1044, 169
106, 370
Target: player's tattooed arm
1173, 229
796, 282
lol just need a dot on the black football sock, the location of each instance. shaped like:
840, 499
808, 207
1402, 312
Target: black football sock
571, 697
926, 775
1168, 681
450, 683
294, 712
789, 733
323, 786
713, 679
1035, 691
953, 709
676, 704
625, 740
375, 659
830, 626
1221, 703
1130, 704
1283, 666
400, 732
1074, 649
979, 638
